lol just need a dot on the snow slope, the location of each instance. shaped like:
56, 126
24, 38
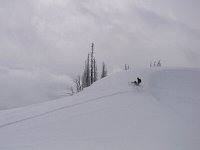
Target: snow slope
162, 114
20, 87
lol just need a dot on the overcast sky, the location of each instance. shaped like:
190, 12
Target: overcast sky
56, 35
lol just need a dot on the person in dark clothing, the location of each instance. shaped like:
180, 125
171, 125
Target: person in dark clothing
139, 81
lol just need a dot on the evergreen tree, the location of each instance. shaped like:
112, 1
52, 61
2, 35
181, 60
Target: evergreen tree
90, 71
95, 71
150, 64
154, 64
88, 77
159, 63
86, 80
104, 71
84, 76
125, 67
92, 64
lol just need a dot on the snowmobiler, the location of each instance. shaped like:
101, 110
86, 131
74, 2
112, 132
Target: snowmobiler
137, 83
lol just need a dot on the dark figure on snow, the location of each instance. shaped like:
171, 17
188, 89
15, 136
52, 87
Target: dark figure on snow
137, 82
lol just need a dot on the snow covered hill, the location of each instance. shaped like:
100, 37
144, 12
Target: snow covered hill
162, 114
21, 87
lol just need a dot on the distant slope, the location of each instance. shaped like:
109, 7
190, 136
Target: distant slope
20, 87
162, 114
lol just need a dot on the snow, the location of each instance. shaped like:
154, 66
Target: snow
20, 87
162, 114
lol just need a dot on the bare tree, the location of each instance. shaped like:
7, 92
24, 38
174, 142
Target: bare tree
78, 84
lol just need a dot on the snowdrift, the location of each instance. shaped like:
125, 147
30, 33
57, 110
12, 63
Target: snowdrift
162, 114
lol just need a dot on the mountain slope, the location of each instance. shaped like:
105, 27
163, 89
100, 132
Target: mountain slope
112, 115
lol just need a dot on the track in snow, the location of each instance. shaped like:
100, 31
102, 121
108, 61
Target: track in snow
61, 108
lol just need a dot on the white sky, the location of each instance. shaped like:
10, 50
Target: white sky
56, 35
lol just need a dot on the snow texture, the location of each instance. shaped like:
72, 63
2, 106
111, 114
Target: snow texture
161, 114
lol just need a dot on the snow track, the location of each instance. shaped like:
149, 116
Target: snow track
163, 114
60, 108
